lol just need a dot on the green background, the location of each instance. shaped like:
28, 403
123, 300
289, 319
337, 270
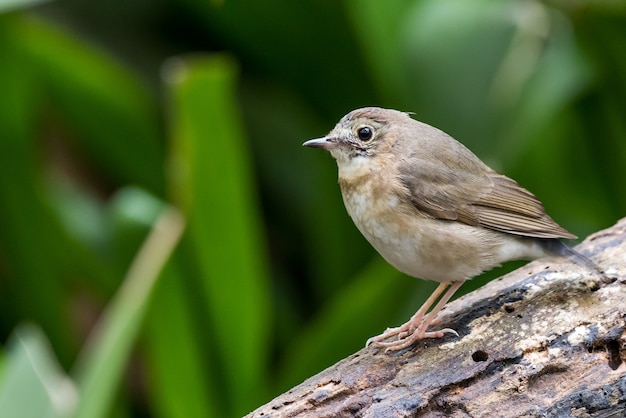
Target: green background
112, 113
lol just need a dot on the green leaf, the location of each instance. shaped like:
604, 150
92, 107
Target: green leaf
378, 27
183, 383
129, 217
212, 179
11, 5
355, 313
99, 368
110, 112
32, 384
32, 244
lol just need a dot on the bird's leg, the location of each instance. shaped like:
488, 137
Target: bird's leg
415, 321
420, 332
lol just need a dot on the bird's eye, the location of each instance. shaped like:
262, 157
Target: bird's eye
365, 133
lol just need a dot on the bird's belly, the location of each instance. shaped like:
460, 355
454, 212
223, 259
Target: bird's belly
420, 246
417, 254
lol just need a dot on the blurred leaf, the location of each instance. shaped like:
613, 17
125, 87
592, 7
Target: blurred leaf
111, 113
453, 49
80, 213
170, 324
10, 5
378, 26
34, 247
550, 73
130, 215
32, 384
182, 384
358, 311
315, 37
212, 180
599, 117
102, 361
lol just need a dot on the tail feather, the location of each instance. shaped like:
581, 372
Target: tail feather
559, 248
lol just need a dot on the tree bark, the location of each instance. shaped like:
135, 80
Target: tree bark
547, 340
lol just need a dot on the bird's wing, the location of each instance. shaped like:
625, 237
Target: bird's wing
476, 195
508, 207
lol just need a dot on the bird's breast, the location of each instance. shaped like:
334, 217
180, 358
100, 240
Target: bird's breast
390, 225
412, 242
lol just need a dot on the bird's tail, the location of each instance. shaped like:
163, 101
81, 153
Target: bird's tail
559, 248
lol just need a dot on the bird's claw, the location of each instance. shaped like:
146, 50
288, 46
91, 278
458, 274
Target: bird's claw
408, 339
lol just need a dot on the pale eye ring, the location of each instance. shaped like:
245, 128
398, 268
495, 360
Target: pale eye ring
365, 133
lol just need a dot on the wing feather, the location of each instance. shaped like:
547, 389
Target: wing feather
476, 195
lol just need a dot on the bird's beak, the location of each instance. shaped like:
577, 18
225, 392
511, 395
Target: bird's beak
324, 143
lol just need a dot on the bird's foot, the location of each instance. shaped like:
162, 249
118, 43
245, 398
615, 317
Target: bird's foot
402, 331
417, 327
389, 332
408, 334
411, 339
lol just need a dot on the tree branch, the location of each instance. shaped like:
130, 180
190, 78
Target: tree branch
547, 340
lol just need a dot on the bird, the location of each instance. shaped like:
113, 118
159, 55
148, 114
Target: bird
433, 210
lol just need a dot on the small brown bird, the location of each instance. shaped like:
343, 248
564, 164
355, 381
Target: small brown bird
432, 208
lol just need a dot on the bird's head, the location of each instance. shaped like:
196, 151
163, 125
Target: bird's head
363, 132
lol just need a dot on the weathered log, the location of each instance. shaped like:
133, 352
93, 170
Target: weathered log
547, 340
